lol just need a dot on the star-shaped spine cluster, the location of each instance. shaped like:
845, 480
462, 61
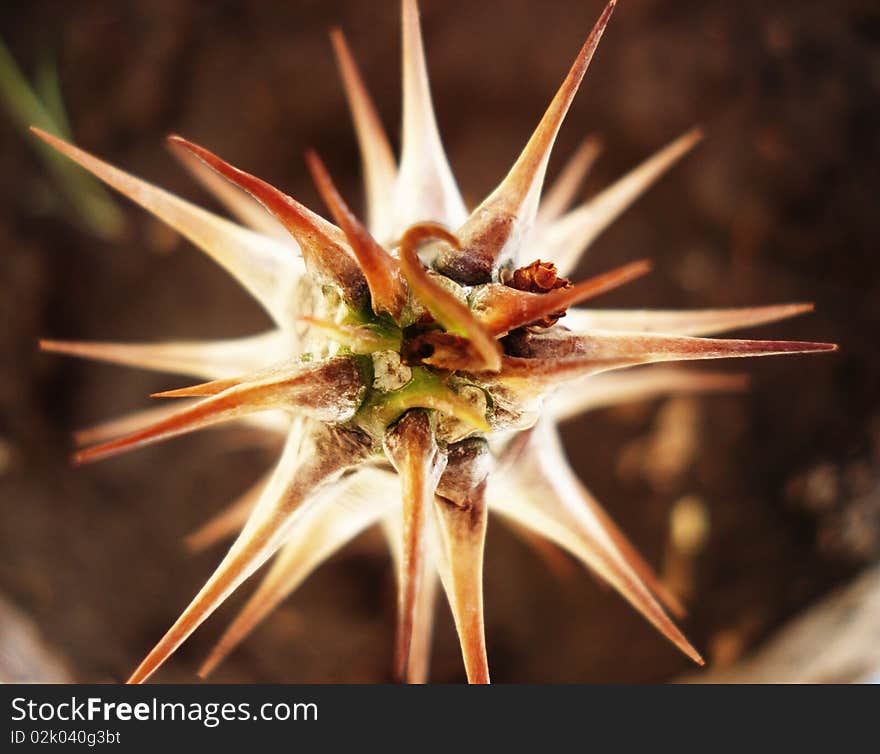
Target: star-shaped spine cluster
411, 375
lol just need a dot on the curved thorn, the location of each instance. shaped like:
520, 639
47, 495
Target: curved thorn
442, 304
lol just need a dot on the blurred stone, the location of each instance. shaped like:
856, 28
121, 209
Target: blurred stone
25, 656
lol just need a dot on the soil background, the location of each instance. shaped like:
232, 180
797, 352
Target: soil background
778, 204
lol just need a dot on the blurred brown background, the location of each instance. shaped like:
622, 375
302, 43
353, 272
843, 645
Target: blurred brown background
777, 205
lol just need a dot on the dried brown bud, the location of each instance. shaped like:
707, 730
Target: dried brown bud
537, 277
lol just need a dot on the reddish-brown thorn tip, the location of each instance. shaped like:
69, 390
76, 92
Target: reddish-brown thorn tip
411, 447
381, 270
599, 351
210, 411
495, 229
502, 309
323, 244
200, 390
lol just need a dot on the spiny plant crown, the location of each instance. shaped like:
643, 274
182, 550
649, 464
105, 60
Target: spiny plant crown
413, 364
